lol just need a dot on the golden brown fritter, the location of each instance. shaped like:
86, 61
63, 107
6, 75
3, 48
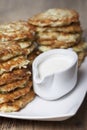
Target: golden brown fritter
61, 37
16, 31
14, 85
8, 51
43, 48
72, 28
11, 96
80, 47
13, 76
17, 62
18, 103
81, 57
55, 17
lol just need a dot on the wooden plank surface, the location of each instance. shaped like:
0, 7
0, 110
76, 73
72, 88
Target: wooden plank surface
11, 10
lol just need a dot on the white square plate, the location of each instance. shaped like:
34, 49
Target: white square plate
58, 110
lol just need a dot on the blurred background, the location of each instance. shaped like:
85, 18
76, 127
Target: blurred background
12, 10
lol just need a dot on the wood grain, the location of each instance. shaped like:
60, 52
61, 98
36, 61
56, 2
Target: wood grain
12, 10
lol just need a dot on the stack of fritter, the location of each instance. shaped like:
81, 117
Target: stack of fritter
57, 28
16, 43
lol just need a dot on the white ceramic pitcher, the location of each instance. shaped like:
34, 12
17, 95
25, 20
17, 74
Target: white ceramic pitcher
58, 84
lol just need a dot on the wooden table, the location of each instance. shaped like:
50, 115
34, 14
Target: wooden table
11, 10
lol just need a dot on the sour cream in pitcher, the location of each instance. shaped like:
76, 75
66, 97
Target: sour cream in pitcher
54, 64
